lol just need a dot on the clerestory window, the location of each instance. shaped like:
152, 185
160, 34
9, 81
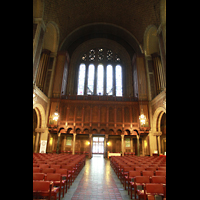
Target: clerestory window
100, 73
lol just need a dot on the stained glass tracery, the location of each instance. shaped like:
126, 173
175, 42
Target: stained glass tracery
94, 75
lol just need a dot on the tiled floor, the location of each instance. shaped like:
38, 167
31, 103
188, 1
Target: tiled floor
97, 180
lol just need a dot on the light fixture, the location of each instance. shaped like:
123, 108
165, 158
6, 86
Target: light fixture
55, 116
34, 96
142, 118
164, 102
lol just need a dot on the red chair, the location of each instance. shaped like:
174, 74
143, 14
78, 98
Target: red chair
140, 181
36, 170
153, 189
70, 172
158, 179
65, 176
35, 165
38, 176
151, 169
42, 189
148, 173
57, 181
124, 173
162, 165
41, 162
140, 169
55, 166
44, 166
48, 170
161, 180
131, 177
160, 173
162, 168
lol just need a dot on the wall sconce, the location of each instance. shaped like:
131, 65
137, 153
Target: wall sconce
108, 143
88, 143
142, 118
55, 116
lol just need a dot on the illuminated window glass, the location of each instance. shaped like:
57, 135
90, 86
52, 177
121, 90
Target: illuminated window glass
90, 87
100, 79
118, 80
109, 87
81, 79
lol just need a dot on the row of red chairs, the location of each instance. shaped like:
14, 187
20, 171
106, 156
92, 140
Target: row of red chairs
127, 168
128, 175
45, 169
41, 188
140, 182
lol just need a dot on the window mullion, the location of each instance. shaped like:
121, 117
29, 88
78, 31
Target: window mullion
114, 80
105, 78
86, 80
95, 79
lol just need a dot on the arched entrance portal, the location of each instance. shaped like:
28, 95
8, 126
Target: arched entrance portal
40, 131
159, 131
163, 136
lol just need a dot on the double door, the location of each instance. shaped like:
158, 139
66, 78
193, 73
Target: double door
98, 145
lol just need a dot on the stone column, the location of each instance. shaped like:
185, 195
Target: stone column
131, 144
37, 142
90, 150
105, 145
138, 145
74, 143
64, 142
159, 145
122, 144
152, 142
58, 143
44, 134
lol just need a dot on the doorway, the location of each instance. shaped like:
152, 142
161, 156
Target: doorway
98, 145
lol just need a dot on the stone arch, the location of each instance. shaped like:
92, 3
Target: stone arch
78, 131
103, 131
135, 132
111, 31
38, 117
40, 114
157, 119
127, 132
69, 130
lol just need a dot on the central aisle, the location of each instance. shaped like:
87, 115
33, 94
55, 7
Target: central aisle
97, 181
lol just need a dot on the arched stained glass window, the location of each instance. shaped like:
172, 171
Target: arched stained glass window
90, 87
109, 86
118, 80
100, 79
94, 61
81, 79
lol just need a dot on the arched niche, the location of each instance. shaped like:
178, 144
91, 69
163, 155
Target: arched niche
157, 119
41, 118
151, 44
51, 37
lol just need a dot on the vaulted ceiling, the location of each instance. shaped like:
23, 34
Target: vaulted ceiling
116, 18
